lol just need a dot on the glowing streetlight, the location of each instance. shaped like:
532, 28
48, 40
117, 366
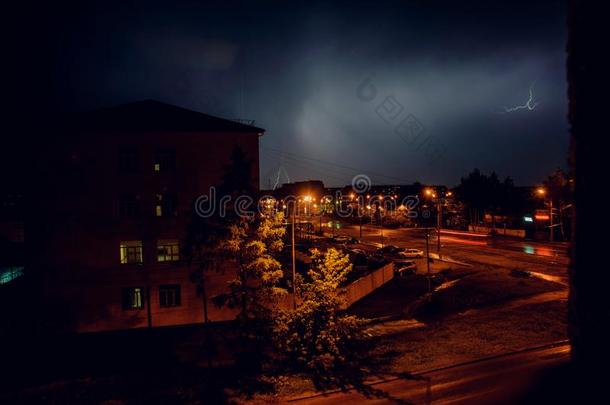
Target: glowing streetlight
541, 191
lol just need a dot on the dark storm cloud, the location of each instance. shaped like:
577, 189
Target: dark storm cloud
296, 69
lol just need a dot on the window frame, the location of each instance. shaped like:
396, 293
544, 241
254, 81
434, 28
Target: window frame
170, 295
166, 205
129, 206
174, 256
125, 250
129, 298
164, 160
128, 160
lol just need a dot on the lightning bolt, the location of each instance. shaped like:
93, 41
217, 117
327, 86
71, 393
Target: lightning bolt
279, 172
530, 104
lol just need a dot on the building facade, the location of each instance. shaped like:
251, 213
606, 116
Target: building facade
111, 220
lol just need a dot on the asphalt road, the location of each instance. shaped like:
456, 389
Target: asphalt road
544, 258
489, 381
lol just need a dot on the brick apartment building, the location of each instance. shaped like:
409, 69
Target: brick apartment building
112, 216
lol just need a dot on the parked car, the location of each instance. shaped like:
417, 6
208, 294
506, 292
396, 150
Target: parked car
377, 260
388, 249
357, 251
405, 268
411, 253
345, 239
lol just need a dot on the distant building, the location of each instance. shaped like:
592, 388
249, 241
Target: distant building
117, 192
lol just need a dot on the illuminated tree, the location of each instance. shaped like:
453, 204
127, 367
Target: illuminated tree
317, 336
252, 246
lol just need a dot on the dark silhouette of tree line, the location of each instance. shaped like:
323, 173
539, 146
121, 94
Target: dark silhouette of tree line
482, 194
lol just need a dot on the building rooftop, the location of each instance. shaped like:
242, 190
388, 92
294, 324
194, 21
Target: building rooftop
147, 115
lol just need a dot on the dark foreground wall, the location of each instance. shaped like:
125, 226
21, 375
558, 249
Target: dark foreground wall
589, 119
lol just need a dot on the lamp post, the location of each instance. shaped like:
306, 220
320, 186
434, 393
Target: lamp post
428, 263
381, 224
439, 213
542, 193
294, 264
307, 199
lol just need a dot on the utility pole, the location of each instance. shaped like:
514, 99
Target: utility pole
321, 233
551, 219
428, 261
148, 310
439, 221
381, 225
294, 266
360, 227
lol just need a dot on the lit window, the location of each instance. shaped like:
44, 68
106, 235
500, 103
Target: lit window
169, 295
165, 160
165, 205
131, 252
133, 298
8, 274
168, 250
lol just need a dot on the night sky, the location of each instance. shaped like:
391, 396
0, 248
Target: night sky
299, 71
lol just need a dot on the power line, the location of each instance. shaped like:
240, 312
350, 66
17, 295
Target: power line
320, 161
341, 177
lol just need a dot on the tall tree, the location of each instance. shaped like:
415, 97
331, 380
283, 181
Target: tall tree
317, 337
253, 245
481, 193
205, 234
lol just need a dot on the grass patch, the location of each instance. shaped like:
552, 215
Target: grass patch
463, 338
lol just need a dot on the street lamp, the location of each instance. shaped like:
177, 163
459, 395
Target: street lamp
439, 212
307, 199
381, 223
541, 191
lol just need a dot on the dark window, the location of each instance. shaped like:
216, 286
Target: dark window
133, 298
166, 205
129, 206
165, 160
169, 295
129, 160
